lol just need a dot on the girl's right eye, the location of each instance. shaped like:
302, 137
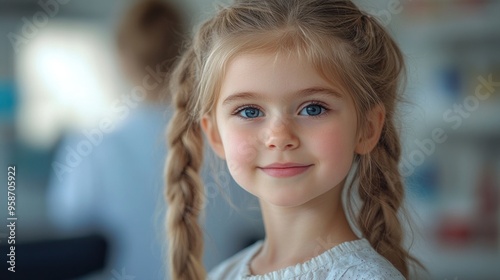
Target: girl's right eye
249, 113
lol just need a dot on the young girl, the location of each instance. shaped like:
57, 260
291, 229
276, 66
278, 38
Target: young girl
293, 95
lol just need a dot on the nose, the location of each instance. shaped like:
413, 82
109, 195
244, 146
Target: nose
280, 135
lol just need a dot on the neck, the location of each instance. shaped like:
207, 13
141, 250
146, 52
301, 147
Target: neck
297, 234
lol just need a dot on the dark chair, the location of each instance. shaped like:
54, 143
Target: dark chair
55, 259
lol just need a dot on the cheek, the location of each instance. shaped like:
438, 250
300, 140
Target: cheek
240, 149
334, 146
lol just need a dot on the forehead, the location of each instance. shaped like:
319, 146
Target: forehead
270, 72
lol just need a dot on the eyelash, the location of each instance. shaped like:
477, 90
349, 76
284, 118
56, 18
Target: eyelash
323, 106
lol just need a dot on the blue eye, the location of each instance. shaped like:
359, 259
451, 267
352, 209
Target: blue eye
312, 110
250, 113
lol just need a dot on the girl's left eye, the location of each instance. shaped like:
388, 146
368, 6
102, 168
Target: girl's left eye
313, 110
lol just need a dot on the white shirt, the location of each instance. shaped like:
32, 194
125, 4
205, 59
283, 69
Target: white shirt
349, 260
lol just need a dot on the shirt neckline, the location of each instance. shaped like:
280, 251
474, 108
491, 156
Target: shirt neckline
318, 261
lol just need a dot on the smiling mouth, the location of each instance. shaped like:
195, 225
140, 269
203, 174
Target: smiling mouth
285, 170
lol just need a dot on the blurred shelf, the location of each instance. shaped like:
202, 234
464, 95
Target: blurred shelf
471, 263
453, 25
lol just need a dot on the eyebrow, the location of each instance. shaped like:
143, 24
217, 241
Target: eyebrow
305, 92
321, 90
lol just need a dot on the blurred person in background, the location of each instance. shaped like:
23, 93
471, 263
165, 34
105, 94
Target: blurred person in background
116, 189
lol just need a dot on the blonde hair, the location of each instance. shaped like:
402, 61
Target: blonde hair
344, 45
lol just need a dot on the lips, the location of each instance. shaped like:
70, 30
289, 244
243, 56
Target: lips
283, 170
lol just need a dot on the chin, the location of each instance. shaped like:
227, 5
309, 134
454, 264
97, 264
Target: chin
286, 203
286, 199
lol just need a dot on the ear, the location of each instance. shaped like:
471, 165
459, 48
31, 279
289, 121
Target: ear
370, 135
211, 131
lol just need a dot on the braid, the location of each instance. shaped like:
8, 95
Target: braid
381, 191
184, 192
381, 187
